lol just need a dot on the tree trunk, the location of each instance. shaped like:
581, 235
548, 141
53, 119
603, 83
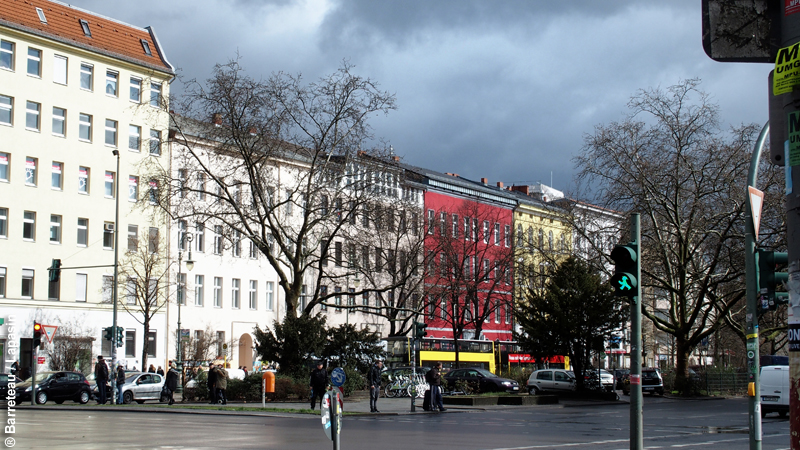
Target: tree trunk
682, 382
146, 343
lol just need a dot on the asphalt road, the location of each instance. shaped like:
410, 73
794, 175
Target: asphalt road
704, 424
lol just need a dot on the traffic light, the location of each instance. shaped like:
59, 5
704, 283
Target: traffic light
120, 337
626, 267
37, 334
769, 279
55, 271
107, 333
419, 330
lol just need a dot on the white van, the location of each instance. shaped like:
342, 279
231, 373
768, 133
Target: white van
774, 384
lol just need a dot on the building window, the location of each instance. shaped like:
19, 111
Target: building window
80, 287
85, 127
270, 296
34, 62
507, 235
151, 344
496, 233
2, 282
130, 343
86, 32
32, 110
152, 240
220, 342
55, 228
323, 291
455, 225
237, 243
180, 293
253, 294
6, 110
430, 221
337, 252
111, 83
199, 237
181, 183
4, 222
133, 188
133, 238
108, 235
134, 137
303, 299
29, 226
59, 121
217, 292
27, 283
443, 308
337, 299
30, 171
83, 231
111, 133
217, 239
155, 142
6, 55
198, 290
106, 295
235, 287
153, 192
155, 94
87, 72
4, 160
110, 181
83, 180
486, 232
136, 90
60, 69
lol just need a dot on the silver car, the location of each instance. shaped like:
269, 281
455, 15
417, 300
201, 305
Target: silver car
551, 380
142, 386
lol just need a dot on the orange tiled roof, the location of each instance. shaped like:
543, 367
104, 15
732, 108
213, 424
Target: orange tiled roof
109, 37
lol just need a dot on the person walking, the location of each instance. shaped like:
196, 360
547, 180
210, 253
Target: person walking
151, 369
120, 382
101, 378
172, 381
160, 371
222, 384
374, 382
211, 383
318, 382
436, 387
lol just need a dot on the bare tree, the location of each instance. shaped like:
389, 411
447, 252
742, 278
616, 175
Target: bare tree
144, 269
669, 161
72, 347
280, 163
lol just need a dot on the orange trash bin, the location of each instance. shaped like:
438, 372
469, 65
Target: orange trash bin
269, 382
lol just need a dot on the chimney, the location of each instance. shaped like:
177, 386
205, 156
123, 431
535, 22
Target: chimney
485, 180
500, 184
523, 189
216, 119
396, 158
451, 174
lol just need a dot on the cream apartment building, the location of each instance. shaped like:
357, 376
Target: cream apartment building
76, 90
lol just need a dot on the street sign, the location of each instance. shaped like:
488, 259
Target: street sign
756, 203
49, 332
327, 422
741, 30
40, 359
337, 377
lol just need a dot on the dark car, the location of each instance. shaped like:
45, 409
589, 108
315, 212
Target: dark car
5, 378
484, 380
651, 379
56, 386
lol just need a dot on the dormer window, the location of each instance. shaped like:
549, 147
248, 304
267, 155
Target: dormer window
146, 48
42, 18
85, 26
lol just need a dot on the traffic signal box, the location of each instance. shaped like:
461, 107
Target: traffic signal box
37, 334
107, 333
419, 330
769, 279
55, 271
626, 267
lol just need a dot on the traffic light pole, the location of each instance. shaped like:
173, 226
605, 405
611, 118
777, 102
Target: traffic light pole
637, 432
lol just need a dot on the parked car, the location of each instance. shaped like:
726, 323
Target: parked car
56, 386
6, 378
651, 380
551, 380
606, 379
143, 386
485, 381
93, 383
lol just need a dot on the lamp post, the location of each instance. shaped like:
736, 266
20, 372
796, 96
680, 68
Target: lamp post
184, 239
114, 342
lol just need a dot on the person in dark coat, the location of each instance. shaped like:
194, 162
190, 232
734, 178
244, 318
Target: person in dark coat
435, 377
222, 384
120, 382
374, 382
101, 378
160, 371
318, 382
211, 383
172, 381
151, 369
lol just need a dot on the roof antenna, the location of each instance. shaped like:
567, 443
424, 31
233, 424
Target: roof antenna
551, 178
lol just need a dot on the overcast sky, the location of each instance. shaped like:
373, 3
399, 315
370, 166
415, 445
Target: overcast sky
499, 89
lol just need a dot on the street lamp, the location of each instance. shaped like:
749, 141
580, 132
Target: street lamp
114, 342
185, 237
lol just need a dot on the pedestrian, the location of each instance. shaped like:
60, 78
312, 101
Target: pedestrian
211, 383
374, 382
151, 369
436, 387
222, 384
318, 382
160, 371
15, 367
120, 382
172, 381
101, 378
